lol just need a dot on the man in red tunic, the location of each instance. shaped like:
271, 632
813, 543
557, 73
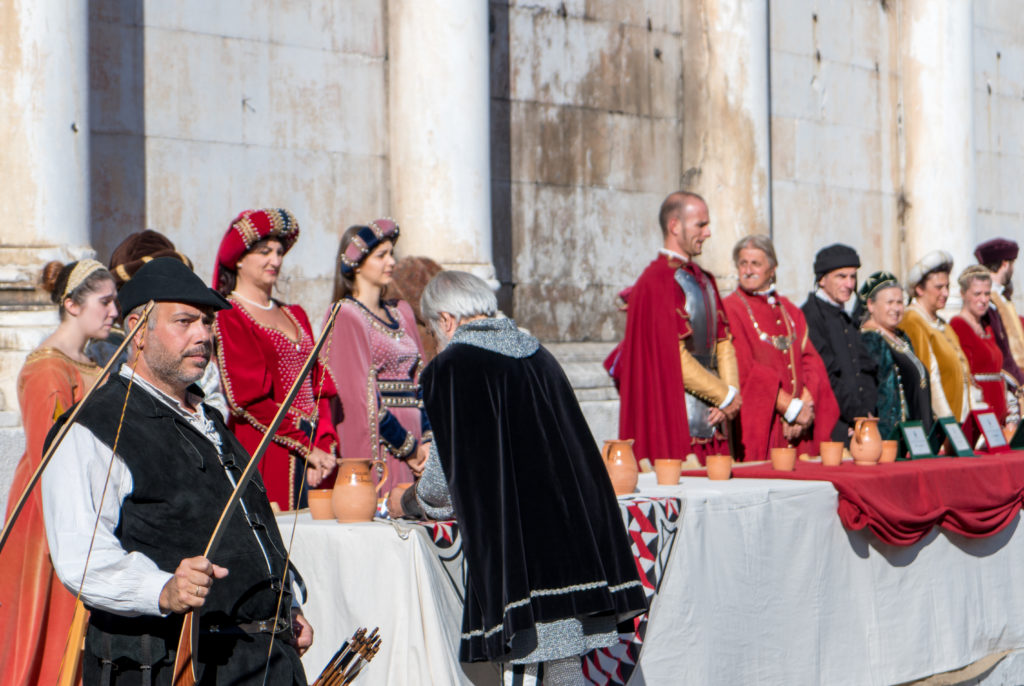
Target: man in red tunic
676, 367
789, 399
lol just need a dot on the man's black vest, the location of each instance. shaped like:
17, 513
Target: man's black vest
179, 490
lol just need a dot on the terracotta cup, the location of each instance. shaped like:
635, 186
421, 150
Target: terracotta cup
719, 467
783, 459
668, 471
889, 449
831, 453
320, 503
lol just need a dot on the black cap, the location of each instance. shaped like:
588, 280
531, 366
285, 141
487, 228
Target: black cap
835, 256
167, 279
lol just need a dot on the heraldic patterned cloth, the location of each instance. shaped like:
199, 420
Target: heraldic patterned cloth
652, 522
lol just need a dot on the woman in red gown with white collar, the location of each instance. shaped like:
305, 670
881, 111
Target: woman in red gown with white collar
262, 344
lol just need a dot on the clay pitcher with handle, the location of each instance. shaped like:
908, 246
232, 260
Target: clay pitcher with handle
355, 497
866, 444
621, 465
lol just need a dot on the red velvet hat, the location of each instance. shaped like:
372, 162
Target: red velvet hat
250, 227
996, 250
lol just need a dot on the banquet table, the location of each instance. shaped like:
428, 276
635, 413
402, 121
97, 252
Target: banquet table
760, 583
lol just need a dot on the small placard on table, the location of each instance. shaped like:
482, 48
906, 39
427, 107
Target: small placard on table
947, 429
913, 441
985, 424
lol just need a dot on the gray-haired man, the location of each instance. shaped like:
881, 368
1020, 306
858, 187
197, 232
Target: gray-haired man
549, 567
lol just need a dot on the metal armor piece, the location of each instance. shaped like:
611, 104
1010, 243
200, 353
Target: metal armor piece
700, 307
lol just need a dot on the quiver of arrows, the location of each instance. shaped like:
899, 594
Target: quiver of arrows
350, 659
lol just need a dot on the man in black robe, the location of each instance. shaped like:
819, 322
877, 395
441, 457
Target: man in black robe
852, 371
155, 501
549, 567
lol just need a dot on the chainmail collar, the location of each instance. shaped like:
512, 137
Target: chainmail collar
497, 335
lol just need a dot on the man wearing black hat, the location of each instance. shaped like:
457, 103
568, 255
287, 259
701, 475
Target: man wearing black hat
998, 256
851, 369
155, 500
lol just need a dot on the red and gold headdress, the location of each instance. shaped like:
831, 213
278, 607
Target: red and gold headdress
250, 227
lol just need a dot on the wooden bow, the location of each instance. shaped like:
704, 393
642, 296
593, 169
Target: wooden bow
48, 455
185, 673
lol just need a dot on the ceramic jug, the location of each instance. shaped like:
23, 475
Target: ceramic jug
355, 497
621, 465
866, 444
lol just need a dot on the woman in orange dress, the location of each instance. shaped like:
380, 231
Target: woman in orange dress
36, 611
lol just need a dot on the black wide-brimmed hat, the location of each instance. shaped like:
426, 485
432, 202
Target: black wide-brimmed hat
167, 279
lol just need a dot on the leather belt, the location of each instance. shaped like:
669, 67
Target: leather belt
263, 626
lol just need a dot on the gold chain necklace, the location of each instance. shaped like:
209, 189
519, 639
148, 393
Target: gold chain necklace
781, 343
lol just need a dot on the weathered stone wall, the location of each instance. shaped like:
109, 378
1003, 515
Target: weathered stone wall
836, 166
998, 113
598, 109
201, 113
593, 133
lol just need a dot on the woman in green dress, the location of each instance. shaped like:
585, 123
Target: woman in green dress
903, 390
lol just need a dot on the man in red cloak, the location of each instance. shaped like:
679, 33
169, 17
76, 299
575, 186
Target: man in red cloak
789, 399
676, 367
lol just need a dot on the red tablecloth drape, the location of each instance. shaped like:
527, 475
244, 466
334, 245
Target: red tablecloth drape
900, 502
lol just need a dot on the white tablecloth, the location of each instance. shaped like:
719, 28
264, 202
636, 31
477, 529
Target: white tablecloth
371, 575
764, 586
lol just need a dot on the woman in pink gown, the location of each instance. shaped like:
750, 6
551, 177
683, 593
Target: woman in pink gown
375, 357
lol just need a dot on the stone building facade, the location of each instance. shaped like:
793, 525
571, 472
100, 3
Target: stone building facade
529, 141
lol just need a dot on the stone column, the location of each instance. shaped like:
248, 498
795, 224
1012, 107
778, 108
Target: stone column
44, 164
726, 154
937, 75
439, 103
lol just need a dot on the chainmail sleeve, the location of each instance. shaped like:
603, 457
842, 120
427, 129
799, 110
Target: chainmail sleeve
432, 488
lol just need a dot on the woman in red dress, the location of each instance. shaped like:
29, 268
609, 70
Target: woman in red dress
36, 610
262, 344
787, 399
973, 329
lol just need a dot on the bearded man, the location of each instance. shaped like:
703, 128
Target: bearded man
150, 467
676, 368
999, 255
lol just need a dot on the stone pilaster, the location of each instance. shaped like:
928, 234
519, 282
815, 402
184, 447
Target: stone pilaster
439, 109
726, 153
44, 136
937, 62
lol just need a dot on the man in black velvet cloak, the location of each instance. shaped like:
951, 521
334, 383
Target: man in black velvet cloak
550, 572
